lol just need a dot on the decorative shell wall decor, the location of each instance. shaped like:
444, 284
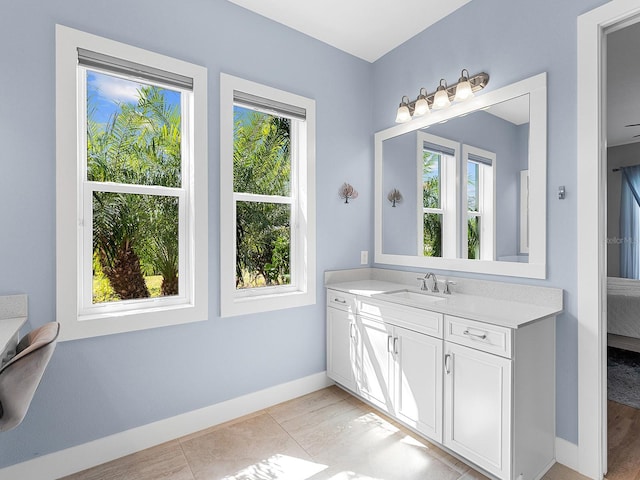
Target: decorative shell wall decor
394, 197
347, 191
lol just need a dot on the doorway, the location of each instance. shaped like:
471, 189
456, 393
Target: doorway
592, 223
622, 104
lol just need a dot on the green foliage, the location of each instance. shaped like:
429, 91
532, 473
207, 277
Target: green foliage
140, 144
473, 238
262, 165
432, 222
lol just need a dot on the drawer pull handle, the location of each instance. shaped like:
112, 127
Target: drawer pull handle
475, 335
447, 357
339, 300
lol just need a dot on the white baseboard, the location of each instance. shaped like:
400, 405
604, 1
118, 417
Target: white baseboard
567, 453
96, 452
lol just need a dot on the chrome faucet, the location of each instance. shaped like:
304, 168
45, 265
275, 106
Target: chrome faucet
427, 276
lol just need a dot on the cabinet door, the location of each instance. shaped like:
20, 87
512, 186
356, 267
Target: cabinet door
375, 344
341, 347
418, 382
478, 407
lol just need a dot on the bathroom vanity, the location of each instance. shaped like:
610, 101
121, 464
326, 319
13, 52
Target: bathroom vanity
473, 371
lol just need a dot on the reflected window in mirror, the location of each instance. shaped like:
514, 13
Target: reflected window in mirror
479, 168
437, 172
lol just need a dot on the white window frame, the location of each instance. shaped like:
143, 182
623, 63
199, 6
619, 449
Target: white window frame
486, 203
302, 290
448, 182
78, 318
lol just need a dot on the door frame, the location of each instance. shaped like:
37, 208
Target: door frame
591, 245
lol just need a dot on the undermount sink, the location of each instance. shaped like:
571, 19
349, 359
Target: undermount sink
413, 296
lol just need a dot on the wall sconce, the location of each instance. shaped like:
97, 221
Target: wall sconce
394, 197
442, 97
347, 191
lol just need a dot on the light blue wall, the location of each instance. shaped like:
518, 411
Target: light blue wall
512, 40
96, 387
399, 171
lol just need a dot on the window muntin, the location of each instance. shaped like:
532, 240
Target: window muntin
265, 199
437, 171
81, 183
431, 203
133, 192
478, 232
266, 187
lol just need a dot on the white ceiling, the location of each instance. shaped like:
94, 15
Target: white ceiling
367, 29
623, 85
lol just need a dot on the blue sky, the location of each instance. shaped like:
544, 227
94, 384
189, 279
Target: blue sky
108, 92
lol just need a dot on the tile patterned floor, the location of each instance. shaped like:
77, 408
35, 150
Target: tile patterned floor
326, 435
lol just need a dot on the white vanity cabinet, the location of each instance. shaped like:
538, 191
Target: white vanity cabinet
499, 395
396, 366
342, 338
486, 391
477, 411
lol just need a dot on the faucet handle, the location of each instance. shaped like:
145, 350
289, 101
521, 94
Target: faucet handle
423, 283
447, 284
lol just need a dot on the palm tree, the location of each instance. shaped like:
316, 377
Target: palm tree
262, 165
139, 145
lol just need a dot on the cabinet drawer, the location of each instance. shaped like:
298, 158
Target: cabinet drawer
341, 300
416, 319
478, 335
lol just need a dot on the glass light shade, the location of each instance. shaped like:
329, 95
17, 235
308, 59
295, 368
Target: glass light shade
463, 90
403, 114
422, 107
441, 98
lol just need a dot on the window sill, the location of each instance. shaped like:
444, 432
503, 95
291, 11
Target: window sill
86, 326
244, 305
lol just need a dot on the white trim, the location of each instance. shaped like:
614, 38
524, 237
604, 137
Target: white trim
74, 459
304, 220
536, 87
69, 149
591, 246
567, 453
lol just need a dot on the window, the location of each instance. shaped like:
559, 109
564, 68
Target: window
131, 187
478, 168
437, 167
267, 198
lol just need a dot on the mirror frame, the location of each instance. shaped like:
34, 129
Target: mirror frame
536, 87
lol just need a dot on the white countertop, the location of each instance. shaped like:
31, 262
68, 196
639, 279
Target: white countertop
496, 311
13, 314
8, 329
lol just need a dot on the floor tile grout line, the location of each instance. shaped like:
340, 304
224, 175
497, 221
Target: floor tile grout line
186, 459
289, 435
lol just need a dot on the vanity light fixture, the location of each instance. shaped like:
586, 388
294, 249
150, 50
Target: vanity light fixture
404, 114
463, 89
422, 105
443, 96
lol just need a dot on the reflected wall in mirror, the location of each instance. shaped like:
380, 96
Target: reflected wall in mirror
465, 176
